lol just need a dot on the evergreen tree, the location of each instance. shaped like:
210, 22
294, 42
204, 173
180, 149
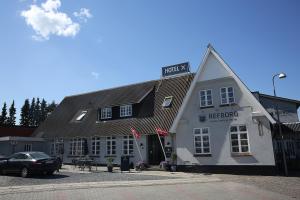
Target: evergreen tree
51, 107
11, 121
43, 115
37, 112
25, 110
3, 117
31, 113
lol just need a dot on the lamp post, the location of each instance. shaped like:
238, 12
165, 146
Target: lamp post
280, 76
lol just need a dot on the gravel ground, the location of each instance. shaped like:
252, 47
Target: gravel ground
284, 185
70, 177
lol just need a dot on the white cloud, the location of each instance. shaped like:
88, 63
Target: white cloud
95, 75
46, 20
83, 14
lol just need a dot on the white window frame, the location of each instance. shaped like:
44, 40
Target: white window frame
201, 135
76, 146
239, 139
206, 99
227, 95
106, 113
167, 102
126, 110
111, 146
81, 116
95, 145
128, 146
27, 147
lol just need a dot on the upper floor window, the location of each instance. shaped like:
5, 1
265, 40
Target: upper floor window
227, 95
81, 115
206, 98
95, 145
106, 113
239, 139
126, 111
167, 102
128, 145
201, 141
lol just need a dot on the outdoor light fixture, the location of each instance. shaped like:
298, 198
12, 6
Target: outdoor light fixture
281, 76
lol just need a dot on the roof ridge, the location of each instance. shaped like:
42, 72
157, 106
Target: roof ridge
123, 86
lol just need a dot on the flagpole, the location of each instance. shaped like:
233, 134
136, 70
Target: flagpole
138, 148
161, 146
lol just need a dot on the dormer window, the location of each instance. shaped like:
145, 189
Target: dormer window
106, 113
126, 110
167, 102
81, 115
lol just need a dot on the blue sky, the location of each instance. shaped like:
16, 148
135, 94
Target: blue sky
103, 44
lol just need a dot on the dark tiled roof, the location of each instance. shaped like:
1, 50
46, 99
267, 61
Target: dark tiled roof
58, 124
16, 131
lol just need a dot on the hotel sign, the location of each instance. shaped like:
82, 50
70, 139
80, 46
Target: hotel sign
219, 116
176, 69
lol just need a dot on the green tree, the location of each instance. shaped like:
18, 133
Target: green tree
37, 112
25, 120
43, 114
11, 121
32, 112
3, 117
51, 107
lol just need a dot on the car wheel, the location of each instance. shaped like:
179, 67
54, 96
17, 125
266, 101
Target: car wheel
50, 172
24, 172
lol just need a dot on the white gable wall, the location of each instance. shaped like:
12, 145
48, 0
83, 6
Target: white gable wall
213, 75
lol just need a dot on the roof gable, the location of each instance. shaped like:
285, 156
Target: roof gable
214, 67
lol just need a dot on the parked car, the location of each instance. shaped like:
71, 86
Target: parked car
27, 163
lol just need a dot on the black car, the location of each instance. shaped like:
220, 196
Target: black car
27, 163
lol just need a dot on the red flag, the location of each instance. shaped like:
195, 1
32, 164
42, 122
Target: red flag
161, 132
136, 134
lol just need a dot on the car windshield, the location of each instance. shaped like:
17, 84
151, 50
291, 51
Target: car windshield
39, 155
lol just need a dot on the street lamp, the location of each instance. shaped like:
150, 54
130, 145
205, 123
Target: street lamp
281, 76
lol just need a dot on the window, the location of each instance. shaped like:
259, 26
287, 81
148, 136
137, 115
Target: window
106, 113
111, 145
28, 147
95, 145
81, 116
127, 145
206, 98
76, 146
167, 102
201, 141
227, 95
54, 148
126, 111
239, 139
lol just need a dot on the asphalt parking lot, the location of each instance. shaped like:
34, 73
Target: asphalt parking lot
75, 177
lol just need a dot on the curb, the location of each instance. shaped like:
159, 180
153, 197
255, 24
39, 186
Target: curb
110, 184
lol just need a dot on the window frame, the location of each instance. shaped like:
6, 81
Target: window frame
95, 145
201, 135
164, 104
128, 140
206, 101
127, 108
81, 116
106, 113
27, 146
238, 132
227, 95
109, 151
76, 146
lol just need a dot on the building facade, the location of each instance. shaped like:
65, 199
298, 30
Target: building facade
214, 121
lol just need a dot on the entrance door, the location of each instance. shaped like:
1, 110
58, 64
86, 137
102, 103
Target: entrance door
155, 153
